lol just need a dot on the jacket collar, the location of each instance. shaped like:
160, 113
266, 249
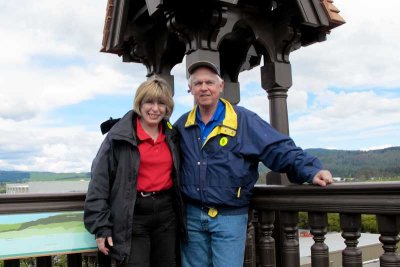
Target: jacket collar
229, 124
125, 128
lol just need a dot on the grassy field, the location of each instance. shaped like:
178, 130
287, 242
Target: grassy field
43, 230
49, 176
9, 227
73, 222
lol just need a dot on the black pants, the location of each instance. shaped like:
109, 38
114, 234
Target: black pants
154, 233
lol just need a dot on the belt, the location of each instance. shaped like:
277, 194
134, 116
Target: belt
225, 210
141, 194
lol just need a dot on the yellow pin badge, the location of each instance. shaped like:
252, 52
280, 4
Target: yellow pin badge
223, 141
169, 125
212, 212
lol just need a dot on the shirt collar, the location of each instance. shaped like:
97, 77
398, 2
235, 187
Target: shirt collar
229, 121
143, 136
217, 116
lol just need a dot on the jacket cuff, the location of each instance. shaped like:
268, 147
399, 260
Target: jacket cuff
103, 232
311, 175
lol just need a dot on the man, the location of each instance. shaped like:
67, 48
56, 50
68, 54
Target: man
221, 147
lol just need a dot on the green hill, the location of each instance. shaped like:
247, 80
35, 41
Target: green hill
51, 221
360, 164
51, 176
13, 176
18, 177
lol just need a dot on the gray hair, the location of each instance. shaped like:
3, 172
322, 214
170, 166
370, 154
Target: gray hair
220, 80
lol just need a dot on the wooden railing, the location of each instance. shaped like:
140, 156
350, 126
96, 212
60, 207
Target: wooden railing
350, 200
265, 247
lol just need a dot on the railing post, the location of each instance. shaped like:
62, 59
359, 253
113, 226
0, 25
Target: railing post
266, 244
74, 260
11, 263
45, 261
388, 226
89, 259
103, 260
250, 252
291, 254
351, 227
319, 250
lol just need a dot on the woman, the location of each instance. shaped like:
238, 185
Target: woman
133, 197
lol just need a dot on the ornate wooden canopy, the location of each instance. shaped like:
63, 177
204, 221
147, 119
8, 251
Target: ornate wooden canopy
232, 33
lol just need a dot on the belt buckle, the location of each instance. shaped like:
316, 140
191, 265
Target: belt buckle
148, 194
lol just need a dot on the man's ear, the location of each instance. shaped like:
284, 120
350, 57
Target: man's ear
222, 87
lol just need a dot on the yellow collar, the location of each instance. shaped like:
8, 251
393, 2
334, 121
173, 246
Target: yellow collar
229, 124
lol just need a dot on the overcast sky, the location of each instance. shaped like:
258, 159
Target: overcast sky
56, 87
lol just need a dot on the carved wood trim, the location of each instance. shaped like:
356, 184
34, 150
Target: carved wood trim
365, 198
333, 14
27, 203
107, 24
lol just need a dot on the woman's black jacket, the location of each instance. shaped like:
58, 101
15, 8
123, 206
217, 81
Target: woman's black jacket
111, 195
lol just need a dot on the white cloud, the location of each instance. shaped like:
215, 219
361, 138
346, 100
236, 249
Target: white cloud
362, 53
51, 27
376, 147
38, 37
352, 111
186, 100
348, 118
250, 77
32, 92
257, 103
29, 145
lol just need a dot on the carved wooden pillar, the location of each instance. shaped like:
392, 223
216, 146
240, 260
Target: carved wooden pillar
351, 227
388, 226
319, 250
266, 244
276, 79
290, 252
250, 253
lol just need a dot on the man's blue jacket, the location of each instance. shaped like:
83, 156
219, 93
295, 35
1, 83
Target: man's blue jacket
222, 171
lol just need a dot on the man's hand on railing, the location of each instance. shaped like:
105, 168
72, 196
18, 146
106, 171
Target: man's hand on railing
323, 178
103, 244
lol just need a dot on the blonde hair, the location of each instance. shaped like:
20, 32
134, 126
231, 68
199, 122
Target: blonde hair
154, 89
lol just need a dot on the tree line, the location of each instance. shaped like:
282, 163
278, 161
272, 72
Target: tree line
360, 164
